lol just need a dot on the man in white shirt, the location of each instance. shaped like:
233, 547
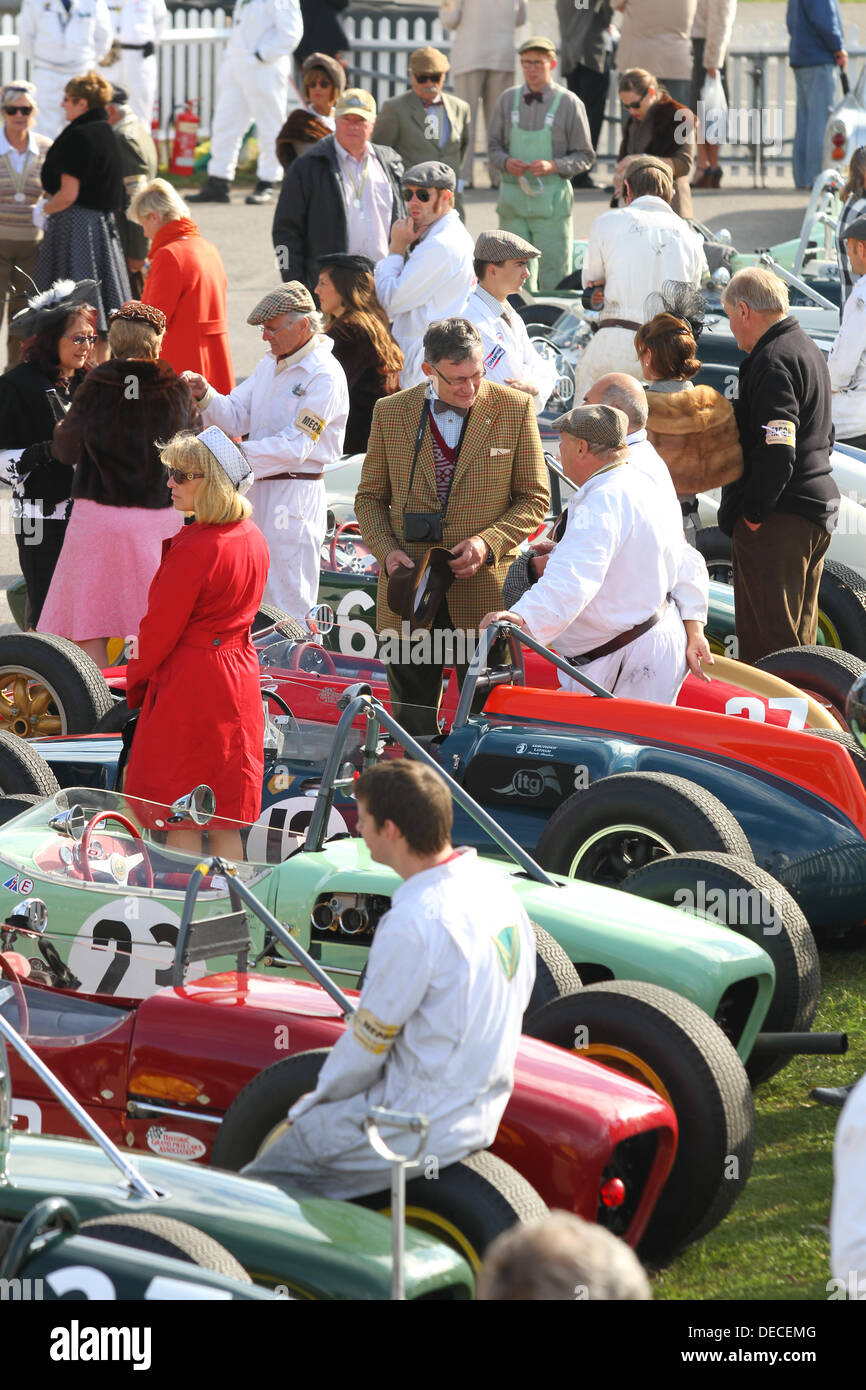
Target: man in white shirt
138, 27
61, 40
433, 282
501, 261
254, 83
604, 596
293, 410
449, 975
632, 251
847, 360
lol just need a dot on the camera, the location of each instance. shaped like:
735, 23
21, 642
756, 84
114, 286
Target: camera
423, 526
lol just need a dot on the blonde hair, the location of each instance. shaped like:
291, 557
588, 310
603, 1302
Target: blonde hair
217, 500
760, 289
158, 197
134, 338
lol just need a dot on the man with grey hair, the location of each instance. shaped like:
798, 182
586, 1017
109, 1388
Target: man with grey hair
604, 596
561, 1258
434, 281
293, 409
781, 512
455, 463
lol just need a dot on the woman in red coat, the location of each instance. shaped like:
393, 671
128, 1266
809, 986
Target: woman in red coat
196, 672
187, 281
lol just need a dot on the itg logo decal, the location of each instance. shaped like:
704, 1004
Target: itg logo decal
531, 781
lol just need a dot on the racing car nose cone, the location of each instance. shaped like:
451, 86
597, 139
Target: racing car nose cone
856, 709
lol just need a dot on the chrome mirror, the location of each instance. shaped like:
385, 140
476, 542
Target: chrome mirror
29, 918
320, 620
70, 823
198, 806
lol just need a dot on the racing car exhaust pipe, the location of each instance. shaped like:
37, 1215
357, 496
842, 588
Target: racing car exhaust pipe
803, 1044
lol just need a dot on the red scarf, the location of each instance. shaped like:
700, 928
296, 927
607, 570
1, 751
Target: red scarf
176, 230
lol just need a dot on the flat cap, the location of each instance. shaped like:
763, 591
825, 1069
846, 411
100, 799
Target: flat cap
538, 44
648, 161
347, 260
499, 246
356, 102
431, 174
597, 424
428, 60
142, 313
119, 95
329, 65
291, 298
855, 230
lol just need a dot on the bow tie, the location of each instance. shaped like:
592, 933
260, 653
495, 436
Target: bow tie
440, 407
530, 97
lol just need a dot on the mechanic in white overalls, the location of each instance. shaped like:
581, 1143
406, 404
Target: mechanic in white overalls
138, 26
293, 409
539, 140
62, 39
502, 263
449, 975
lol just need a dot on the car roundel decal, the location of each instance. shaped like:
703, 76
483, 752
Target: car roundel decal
507, 946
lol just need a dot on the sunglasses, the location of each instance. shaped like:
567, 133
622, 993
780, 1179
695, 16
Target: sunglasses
634, 105
424, 77
180, 477
18, 110
422, 194
79, 339
318, 82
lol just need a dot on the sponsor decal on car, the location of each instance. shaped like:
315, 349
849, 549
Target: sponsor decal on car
173, 1143
19, 885
531, 781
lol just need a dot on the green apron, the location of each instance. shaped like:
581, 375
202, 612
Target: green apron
545, 219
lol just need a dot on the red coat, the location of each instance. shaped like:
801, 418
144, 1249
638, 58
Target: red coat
197, 674
187, 281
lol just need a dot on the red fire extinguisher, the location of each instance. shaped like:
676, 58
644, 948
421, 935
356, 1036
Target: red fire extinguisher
185, 140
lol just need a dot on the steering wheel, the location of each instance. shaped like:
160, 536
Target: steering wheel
350, 526
309, 656
84, 845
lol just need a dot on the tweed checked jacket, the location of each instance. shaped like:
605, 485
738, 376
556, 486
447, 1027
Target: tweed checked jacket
499, 492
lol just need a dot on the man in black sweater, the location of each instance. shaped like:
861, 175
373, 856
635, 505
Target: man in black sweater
781, 512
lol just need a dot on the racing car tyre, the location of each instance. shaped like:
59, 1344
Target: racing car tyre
778, 926
540, 313
163, 1235
79, 693
555, 975
12, 806
469, 1204
23, 770
115, 720
823, 672
622, 822
715, 547
268, 614
847, 741
672, 1046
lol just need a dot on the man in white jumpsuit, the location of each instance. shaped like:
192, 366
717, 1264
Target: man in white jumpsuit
61, 42
449, 975
254, 83
293, 410
138, 27
501, 264
847, 360
632, 251
433, 282
604, 596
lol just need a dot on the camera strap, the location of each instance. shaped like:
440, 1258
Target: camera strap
419, 439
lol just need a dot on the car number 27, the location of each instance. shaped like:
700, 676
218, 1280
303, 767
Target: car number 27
752, 707
127, 947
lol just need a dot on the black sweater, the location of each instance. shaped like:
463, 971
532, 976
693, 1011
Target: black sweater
88, 151
783, 415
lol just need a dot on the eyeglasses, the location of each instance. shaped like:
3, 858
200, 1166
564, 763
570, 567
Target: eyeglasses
318, 82
634, 105
422, 194
79, 339
180, 477
18, 110
425, 77
454, 381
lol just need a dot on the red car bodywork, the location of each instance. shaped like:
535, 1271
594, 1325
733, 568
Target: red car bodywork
170, 1066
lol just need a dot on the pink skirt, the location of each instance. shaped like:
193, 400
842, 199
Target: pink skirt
109, 557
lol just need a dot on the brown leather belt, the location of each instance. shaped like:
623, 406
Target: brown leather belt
619, 323
617, 643
281, 477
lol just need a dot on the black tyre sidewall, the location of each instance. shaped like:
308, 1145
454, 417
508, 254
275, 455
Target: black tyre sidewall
82, 690
23, 770
261, 1105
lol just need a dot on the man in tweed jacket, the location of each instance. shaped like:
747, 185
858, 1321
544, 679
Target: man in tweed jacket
498, 497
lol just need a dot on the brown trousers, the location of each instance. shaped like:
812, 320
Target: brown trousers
14, 288
777, 572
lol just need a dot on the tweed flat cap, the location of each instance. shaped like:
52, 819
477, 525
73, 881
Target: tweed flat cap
119, 95
499, 246
428, 60
431, 174
335, 70
142, 313
648, 161
356, 102
230, 458
538, 44
855, 230
291, 298
597, 424
518, 580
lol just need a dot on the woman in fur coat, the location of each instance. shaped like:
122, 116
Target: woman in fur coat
121, 510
